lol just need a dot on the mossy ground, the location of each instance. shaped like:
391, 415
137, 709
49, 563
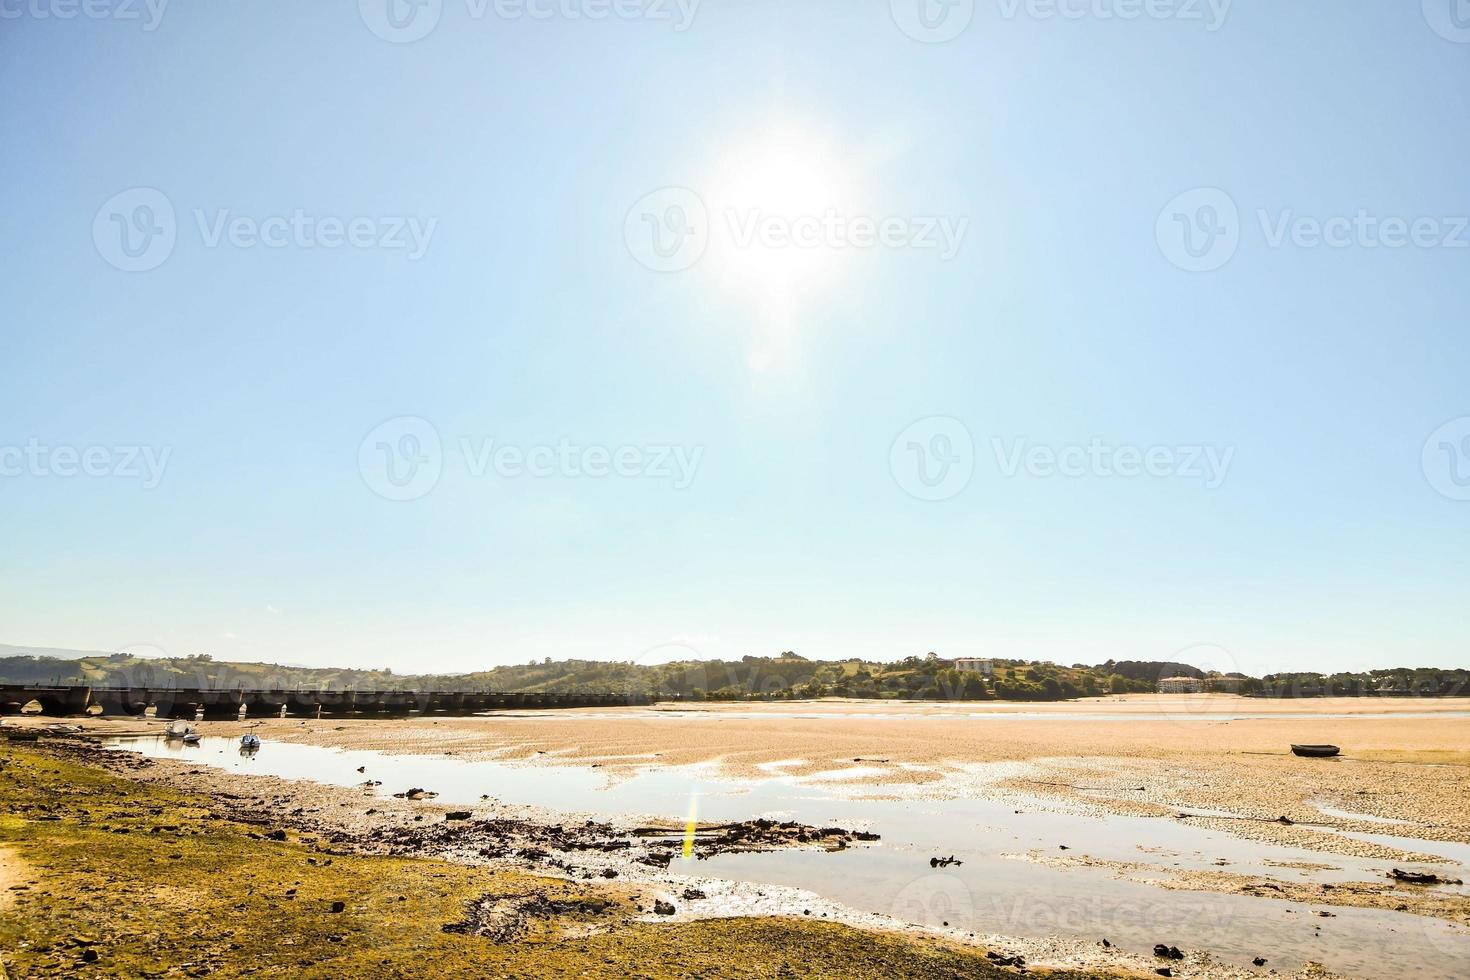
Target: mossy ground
156, 882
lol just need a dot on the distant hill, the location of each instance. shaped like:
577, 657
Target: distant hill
779, 677
749, 678
7, 650
1149, 670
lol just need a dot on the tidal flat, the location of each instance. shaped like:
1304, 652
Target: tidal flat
1082, 835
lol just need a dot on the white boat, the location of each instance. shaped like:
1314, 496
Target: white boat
249, 741
177, 729
192, 738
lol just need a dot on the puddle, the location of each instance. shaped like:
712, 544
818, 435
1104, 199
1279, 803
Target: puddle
992, 892
1332, 811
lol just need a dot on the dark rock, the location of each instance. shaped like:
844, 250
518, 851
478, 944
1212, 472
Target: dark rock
1168, 952
457, 815
1417, 878
339, 906
1259, 961
661, 907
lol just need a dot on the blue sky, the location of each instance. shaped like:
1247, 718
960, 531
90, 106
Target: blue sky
802, 385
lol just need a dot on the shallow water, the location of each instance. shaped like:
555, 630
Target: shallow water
995, 891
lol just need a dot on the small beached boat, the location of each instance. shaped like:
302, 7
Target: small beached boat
177, 729
1315, 751
249, 741
192, 738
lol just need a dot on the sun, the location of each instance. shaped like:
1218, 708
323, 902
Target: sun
775, 198
778, 200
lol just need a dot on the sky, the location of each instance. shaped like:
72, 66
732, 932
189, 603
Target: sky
445, 335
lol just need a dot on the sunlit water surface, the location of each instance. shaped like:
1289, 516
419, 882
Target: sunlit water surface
992, 892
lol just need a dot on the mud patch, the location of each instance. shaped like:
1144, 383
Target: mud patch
510, 918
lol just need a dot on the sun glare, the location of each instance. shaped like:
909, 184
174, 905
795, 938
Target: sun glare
773, 198
778, 200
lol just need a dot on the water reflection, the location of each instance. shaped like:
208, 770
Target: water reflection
994, 891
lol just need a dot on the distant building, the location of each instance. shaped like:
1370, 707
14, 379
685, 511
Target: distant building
1220, 684
974, 665
1181, 685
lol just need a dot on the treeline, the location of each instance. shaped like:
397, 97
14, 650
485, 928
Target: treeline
786, 676
1395, 682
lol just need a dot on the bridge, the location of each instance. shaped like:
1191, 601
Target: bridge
220, 704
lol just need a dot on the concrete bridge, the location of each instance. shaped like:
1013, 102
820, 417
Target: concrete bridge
190, 703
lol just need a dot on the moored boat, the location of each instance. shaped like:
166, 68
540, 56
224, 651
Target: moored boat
250, 741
